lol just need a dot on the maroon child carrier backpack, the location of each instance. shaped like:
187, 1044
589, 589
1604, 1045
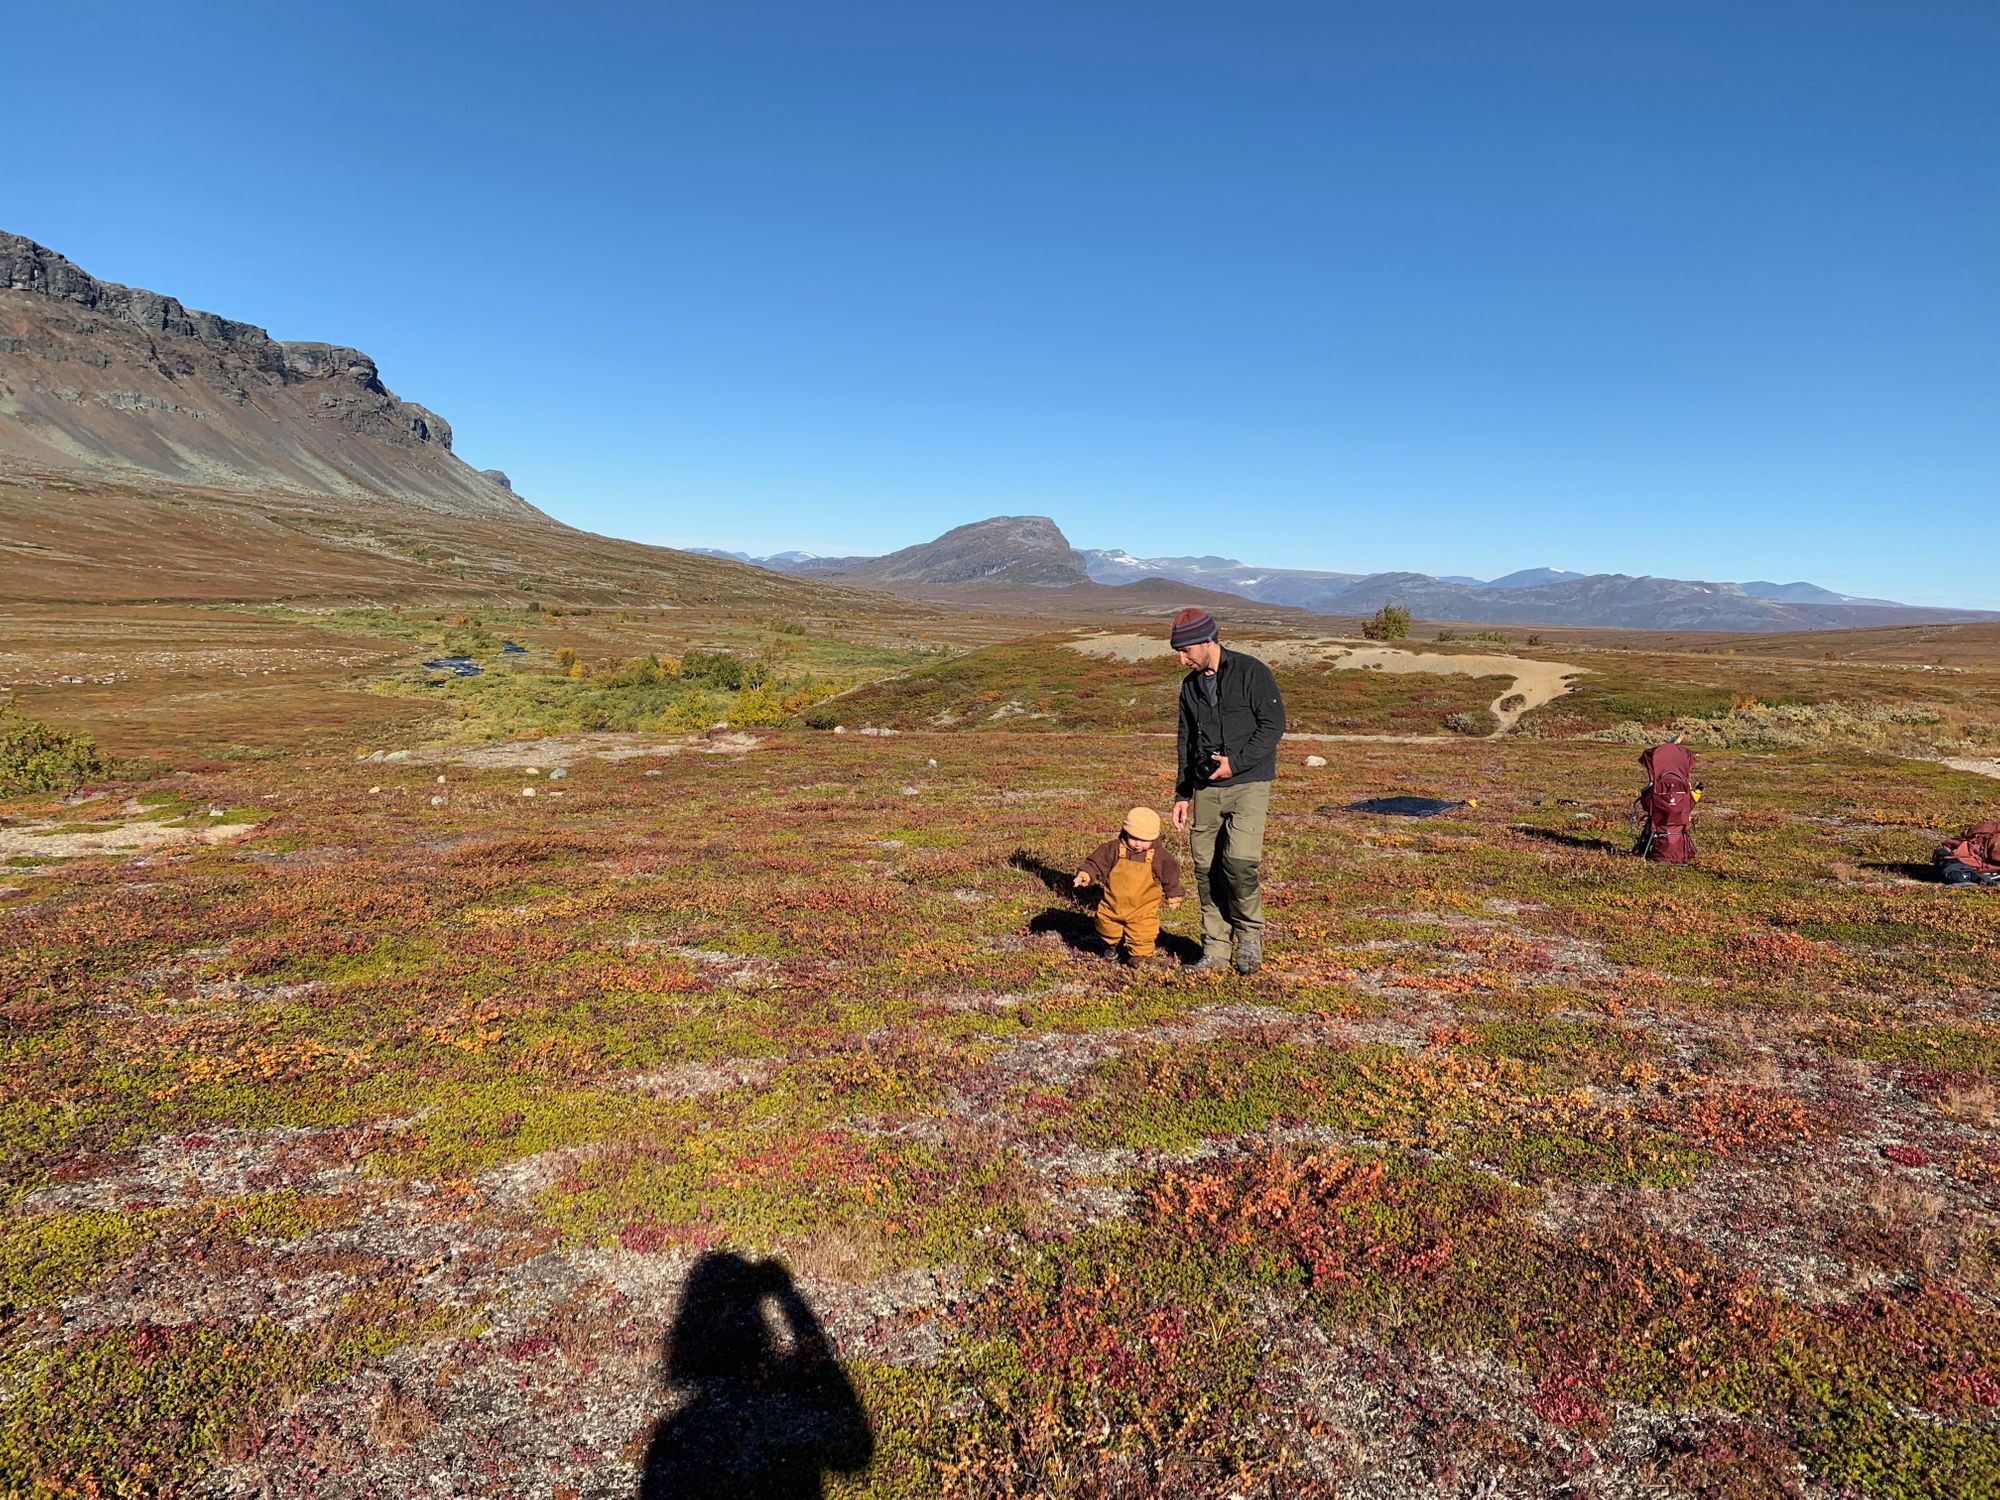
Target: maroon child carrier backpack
1667, 804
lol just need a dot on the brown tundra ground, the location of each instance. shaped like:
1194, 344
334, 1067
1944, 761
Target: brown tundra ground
742, 1111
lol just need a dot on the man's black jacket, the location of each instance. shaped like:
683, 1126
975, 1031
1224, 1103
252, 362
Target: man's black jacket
1245, 723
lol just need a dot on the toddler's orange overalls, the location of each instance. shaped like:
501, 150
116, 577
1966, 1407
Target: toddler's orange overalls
1129, 909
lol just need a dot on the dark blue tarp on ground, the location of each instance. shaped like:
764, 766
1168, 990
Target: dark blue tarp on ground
1404, 807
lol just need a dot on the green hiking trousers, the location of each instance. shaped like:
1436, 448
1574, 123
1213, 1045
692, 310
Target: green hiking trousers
1227, 833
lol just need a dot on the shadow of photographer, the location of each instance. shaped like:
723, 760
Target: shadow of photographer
766, 1411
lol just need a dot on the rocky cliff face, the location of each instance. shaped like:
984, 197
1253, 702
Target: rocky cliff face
130, 385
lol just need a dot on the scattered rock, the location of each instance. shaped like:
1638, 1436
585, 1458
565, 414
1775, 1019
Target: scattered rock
1315, 761
527, 791
558, 773
437, 802
909, 791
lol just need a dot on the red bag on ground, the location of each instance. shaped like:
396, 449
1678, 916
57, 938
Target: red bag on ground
1978, 849
1667, 804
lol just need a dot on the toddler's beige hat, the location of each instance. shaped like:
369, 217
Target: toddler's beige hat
1142, 823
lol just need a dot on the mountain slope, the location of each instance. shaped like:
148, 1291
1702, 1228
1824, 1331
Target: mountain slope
1810, 593
1528, 578
129, 385
1023, 551
72, 538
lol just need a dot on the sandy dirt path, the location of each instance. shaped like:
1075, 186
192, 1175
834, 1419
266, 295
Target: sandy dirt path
569, 749
1977, 767
1535, 682
133, 837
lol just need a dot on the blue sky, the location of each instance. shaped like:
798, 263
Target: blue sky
1704, 290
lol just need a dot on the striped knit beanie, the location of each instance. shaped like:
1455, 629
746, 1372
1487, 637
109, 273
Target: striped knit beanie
1192, 627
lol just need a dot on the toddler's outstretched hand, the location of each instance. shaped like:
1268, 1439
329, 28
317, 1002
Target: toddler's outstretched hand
1082, 879
1172, 902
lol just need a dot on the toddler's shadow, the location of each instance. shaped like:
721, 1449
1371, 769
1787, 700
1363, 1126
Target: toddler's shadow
1079, 934
1059, 882
1073, 923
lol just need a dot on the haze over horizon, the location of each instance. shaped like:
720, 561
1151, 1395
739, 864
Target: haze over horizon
1202, 551
1707, 294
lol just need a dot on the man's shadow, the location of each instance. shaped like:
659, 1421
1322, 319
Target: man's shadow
767, 1411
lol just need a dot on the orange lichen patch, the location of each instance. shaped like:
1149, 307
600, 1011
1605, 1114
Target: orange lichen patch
1740, 1119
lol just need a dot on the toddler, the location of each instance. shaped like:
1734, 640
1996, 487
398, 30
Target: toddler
1137, 873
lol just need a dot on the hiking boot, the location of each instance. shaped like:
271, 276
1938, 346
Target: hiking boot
1249, 955
1211, 960
1159, 958
1125, 959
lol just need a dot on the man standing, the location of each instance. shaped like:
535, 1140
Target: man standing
1231, 721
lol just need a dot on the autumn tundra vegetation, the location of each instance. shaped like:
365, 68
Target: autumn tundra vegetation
388, 1047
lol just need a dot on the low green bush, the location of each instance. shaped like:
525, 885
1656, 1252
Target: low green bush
1389, 623
38, 757
1905, 729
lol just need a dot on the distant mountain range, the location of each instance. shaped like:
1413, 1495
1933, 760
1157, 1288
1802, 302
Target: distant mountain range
1031, 551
